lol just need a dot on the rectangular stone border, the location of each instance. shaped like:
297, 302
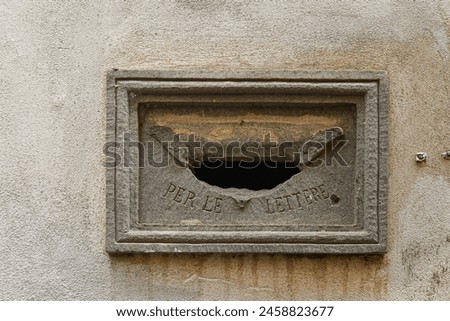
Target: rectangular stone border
123, 235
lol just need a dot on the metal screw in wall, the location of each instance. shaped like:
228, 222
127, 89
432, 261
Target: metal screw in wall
421, 157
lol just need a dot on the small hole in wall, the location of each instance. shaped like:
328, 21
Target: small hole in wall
334, 199
250, 175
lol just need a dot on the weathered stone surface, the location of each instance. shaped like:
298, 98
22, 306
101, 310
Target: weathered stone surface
326, 125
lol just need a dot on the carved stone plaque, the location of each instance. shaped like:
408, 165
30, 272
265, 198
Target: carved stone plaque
276, 162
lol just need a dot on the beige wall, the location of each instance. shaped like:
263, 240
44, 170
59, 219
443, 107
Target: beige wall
53, 61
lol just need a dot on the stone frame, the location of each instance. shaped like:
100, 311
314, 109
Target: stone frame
123, 231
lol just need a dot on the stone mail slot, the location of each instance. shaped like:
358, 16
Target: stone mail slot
277, 162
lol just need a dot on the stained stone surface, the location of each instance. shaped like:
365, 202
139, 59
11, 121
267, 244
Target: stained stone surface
302, 201
331, 127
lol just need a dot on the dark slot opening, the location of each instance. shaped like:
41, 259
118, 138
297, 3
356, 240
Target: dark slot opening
251, 175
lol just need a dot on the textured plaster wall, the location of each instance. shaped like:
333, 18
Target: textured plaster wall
53, 60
